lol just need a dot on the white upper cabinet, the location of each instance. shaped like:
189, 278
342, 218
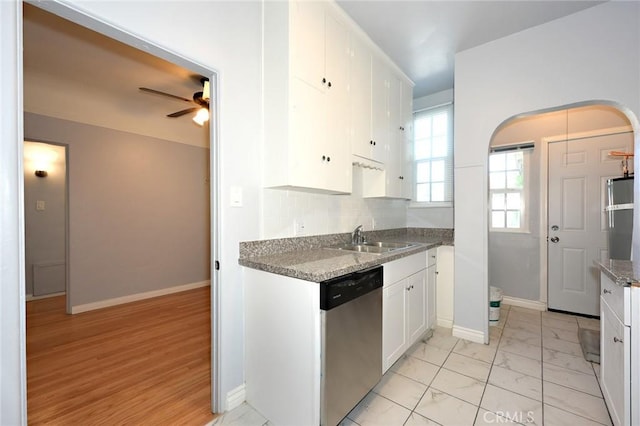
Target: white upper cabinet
306, 68
394, 118
362, 143
326, 98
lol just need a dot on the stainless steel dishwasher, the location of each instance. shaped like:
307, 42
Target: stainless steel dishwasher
351, 319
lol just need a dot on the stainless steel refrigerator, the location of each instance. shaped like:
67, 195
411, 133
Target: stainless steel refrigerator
619, 210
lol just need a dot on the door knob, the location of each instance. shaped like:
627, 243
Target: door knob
555, 239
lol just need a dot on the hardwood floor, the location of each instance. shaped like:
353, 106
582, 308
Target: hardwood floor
145, 362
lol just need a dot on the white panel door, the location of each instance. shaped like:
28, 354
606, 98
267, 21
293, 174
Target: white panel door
577, 236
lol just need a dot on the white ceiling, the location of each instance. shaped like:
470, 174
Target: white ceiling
76, 74
422, 37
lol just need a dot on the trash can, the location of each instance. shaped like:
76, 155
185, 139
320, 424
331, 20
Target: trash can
495, 297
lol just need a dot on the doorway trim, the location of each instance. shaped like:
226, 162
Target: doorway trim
544, 194
76, 15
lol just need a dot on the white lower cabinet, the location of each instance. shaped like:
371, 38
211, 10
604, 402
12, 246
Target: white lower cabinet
614, 364
408, 304
618, 351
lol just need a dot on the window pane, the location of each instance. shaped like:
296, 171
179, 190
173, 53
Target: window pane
497, 201
423, 171
514, 161
422, 128
514, 180
496, 162
513, 201
440, 124
422, 192
437, 171
437, 191
422, 149
497, 180
513, 219
497, 219
439, 147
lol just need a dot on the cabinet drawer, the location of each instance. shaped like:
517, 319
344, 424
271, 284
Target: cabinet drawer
614, 295
399, 269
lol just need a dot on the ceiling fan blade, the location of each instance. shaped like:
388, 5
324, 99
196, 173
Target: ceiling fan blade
183, 112
157, 92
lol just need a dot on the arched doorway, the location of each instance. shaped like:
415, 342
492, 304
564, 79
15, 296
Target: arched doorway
534, 150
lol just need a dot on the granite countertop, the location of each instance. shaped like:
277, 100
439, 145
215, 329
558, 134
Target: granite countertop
621, 271
312, 259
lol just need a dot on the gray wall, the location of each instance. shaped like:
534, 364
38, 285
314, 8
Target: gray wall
44, 229
138, 210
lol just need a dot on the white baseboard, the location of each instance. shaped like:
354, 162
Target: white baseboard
135, 297
524, 303
31, 297
446, 323
235, 397
470, 334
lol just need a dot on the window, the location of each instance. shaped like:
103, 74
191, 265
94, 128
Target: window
433, 156
508, 190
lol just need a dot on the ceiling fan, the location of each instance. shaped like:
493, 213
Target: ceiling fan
200, 99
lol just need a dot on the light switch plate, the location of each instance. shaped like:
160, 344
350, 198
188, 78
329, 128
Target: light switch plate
40, 205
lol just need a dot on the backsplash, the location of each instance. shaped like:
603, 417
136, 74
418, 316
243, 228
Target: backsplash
294, 214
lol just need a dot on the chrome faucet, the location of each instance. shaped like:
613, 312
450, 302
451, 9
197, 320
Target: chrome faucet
356, 236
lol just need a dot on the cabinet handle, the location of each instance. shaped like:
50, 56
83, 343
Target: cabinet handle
374, 142
370, 142
328, 158
324, 80
329, 84
324, 158
616, 340
605, 291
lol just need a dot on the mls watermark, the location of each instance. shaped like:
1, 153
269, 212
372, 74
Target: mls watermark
509, 417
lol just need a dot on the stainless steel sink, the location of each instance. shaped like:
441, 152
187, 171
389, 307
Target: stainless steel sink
363, 248
393, 246
374, 247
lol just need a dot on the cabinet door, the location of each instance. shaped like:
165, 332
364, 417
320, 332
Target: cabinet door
308, 42
379, 107
417, 308
395, 140
360, 99
337, 143
407, 144
307, 135
614, 336
394, 326
431, 296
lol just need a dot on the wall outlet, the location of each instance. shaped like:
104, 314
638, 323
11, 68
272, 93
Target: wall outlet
299, 228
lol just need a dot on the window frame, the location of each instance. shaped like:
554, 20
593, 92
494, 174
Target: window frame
448, 160
524, 192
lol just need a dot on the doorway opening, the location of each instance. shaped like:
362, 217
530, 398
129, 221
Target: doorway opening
547, 224
46, 214
142, 188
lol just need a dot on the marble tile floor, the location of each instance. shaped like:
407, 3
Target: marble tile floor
531, 373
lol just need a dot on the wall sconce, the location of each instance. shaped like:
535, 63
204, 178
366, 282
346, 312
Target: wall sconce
201, 116
41, 173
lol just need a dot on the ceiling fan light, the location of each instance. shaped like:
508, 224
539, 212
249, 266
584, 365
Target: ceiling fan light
205, 90
201, 116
